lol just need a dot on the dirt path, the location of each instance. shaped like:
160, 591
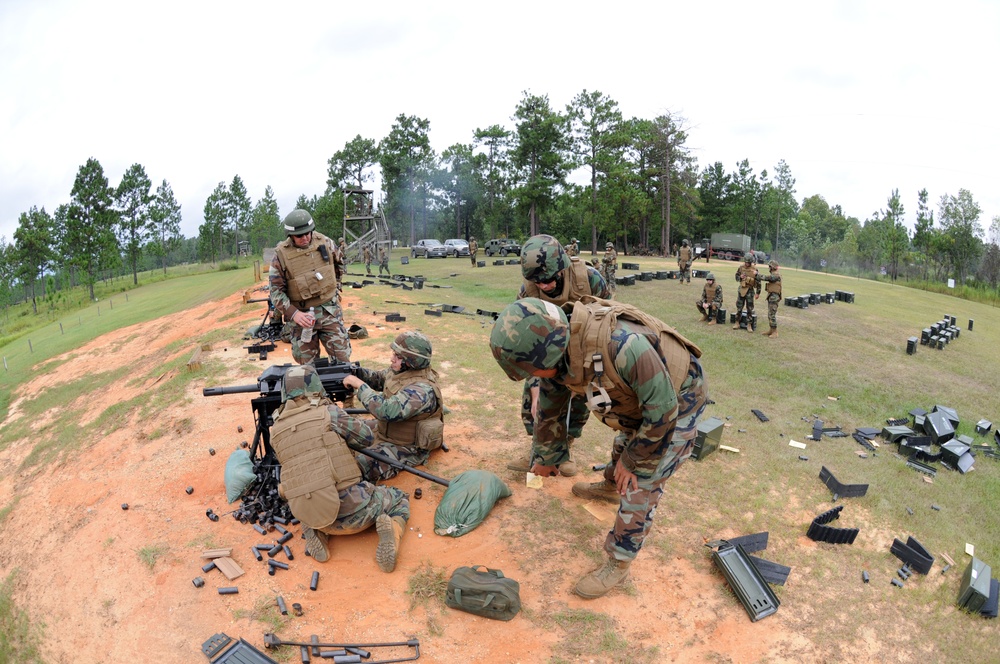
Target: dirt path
77, 550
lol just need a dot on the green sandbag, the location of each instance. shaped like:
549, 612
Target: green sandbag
467, 501
239, 474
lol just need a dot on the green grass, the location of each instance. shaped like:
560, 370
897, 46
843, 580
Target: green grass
265, 610
150, 554
19, 637
427, 587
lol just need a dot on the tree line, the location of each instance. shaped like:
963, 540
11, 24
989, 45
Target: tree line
583, 171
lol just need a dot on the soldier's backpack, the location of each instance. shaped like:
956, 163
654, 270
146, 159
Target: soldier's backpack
484, 592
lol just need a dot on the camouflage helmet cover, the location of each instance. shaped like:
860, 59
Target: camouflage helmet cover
414, 348
684, 243
609, 245
773, 265
301, 381
748, 258
298, 222
529, 335
710, 277
542, 258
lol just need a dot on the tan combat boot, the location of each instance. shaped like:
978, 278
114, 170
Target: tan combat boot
522, 465
568, 467
601, 580
390, 532
749, 328
774, 333
603, 490
712, 321
316, 544
737, 326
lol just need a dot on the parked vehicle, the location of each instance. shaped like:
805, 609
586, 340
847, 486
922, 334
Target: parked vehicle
429, 249
731, 246
502, 247
456, 247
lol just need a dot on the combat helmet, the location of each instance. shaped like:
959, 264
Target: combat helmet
748, 258
414, 348
684, 243
528, 335
609, 245
773, 265
301, 381
710, 277
542, 258
298, 222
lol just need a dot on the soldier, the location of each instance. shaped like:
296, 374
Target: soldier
638, 375
746, 276
473, 250
342, 248
553, 276
320, 478
304, 277
773, 289
368, 259
409, 408
684, 258
574, 248
383, 261
711, 300
610, 263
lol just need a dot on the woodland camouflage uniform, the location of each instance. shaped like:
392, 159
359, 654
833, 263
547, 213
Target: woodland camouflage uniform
656, 422
383, 261
473, 250
610, 265
746, 277
407, 405
298, 288
320, 477
711, 294
773, 288
684, 258
368, 259
544, 260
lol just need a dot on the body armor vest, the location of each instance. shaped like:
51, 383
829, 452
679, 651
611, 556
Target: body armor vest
311, 280
774, 286
425, 430
710, 292
316, 464
591, 363
576, 284
748, 278
684, 255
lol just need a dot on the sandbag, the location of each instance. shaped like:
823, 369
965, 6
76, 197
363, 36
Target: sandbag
239, 474
467, 501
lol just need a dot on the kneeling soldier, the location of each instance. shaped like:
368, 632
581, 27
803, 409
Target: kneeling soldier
711, 300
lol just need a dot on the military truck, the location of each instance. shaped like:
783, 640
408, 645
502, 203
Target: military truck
731, 246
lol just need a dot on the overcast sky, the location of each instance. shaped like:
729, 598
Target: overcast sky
859, 98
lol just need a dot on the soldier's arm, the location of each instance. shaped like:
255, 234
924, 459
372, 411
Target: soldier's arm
352, 429
372, 378
409, 401
718, 294
279, 290
598, 285
641, 368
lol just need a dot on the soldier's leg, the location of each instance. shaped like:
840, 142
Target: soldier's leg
740, 301
304, 352
772, 310
558, 404
333, 334
750, 309
374, 471
701, 309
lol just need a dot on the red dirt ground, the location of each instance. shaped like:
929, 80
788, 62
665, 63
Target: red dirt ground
80, 573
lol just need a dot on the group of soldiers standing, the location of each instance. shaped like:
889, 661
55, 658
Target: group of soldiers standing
749, 280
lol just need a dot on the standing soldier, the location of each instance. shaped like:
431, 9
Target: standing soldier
368, 259
574, 248
638, 375
342, 247
610, 262
746, 277
383, 261
711, 300
304, 278
684, 258
773, 289
409, 410
553, 276
310, 433
473, 250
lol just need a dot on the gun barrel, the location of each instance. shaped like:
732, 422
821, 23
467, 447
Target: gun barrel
232, 389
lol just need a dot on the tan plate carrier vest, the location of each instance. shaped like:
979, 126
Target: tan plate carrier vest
748, 278
684, 256
773, 287
301, 266
425, 430
710, 292
592, 370
316, 463
577, 284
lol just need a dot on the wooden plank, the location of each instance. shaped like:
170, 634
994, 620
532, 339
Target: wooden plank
229, 567
217, 553
194, 364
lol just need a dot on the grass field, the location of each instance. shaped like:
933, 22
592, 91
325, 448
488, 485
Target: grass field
842, 363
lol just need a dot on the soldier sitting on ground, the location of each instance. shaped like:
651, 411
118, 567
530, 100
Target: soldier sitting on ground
406, 402
320, 478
